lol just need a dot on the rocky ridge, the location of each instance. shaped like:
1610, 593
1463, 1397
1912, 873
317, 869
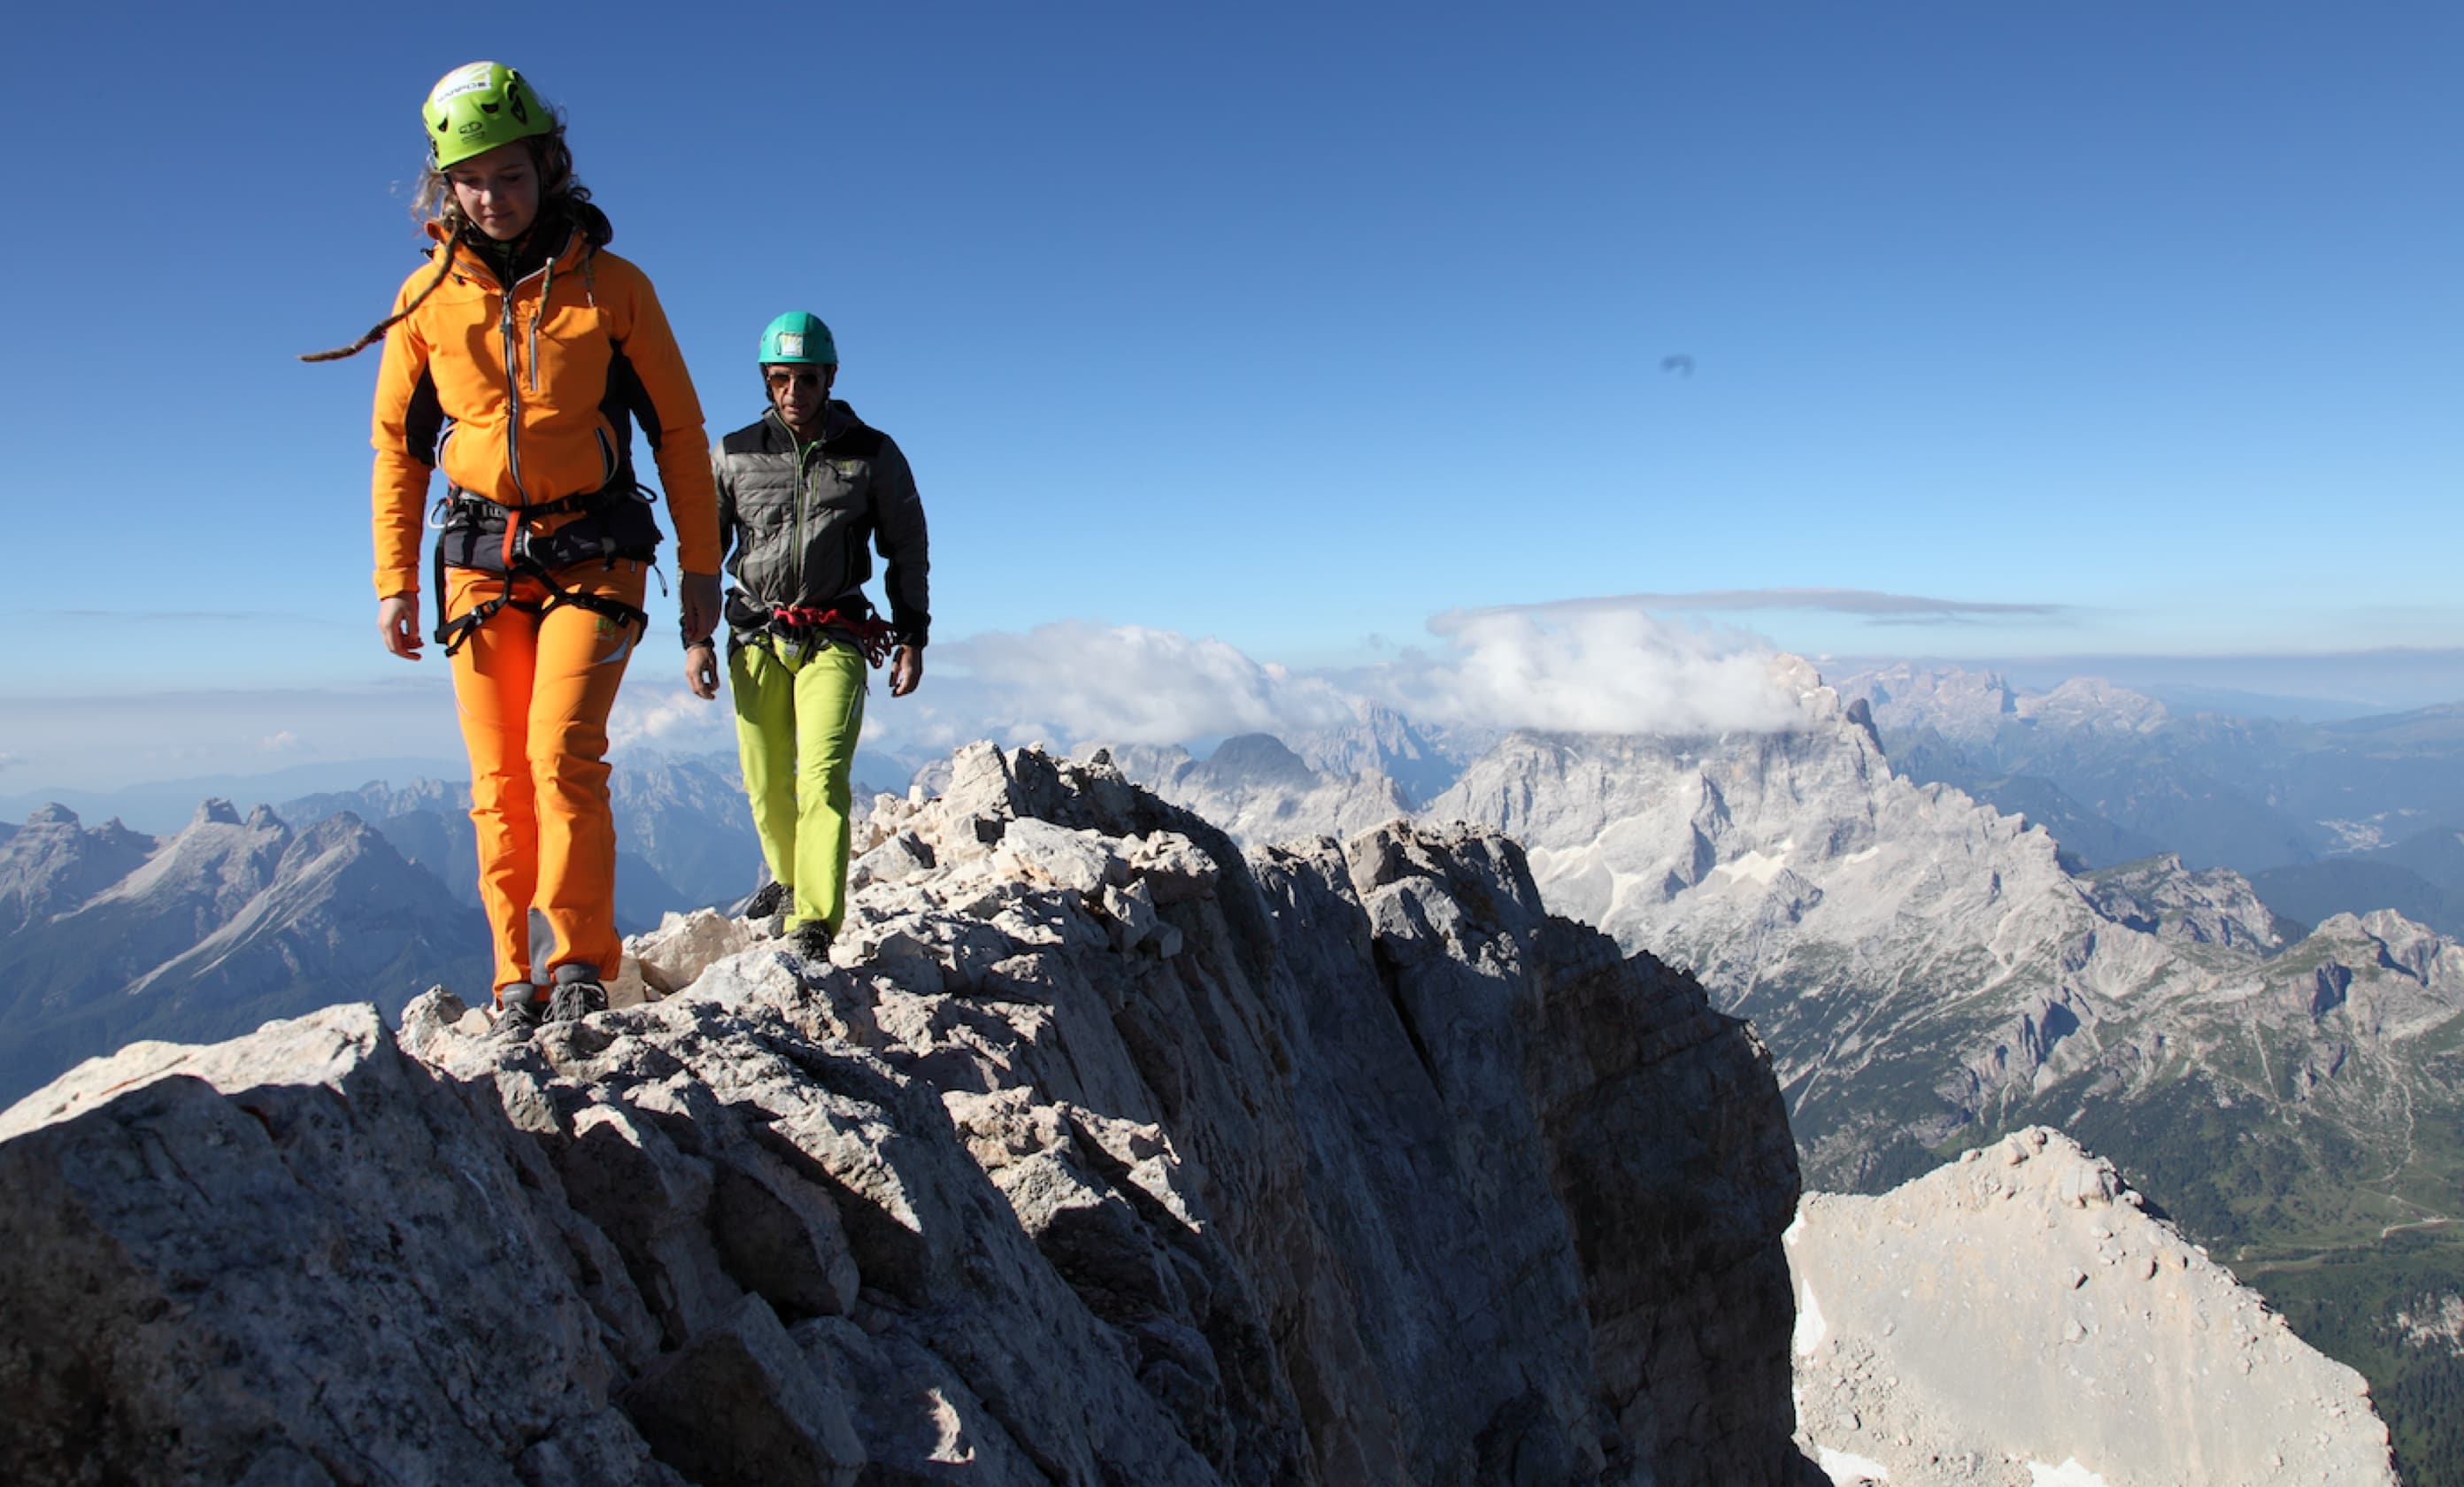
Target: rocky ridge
2017, 1314
1259, 790
1098, 1154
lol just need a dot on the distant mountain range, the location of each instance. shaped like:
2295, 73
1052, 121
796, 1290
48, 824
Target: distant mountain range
107, 936
2222, 791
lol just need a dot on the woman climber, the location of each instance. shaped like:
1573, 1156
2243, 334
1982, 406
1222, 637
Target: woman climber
519, 361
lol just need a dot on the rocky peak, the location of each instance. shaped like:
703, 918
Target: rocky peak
218, 862
1259, 790
1968, 706
2370, 981
53, 864
1259, 757
2146, 1363
1422, 759
2162, 896
1097, 1153
2094, 704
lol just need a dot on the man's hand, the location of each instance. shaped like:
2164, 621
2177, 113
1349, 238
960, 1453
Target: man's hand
701, 669
398, 622
906, 669
697, 595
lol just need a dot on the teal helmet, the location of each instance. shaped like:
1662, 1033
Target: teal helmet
797, 339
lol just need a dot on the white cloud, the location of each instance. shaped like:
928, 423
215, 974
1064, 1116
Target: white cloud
10, 760
674, 719
1072, 681
1591, 671
1607, 671
282, 743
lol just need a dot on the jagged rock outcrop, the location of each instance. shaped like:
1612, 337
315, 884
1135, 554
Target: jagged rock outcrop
1099, 1155
2016, 1314
1259, 790
1963, 706
53, 863
2165, 898
1420, 758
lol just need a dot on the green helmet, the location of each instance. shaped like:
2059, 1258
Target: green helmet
797, 339
478, 106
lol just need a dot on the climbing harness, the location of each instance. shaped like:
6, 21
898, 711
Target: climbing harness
869, 634
486, 535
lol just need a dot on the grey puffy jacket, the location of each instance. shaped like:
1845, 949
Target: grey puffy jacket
797, 523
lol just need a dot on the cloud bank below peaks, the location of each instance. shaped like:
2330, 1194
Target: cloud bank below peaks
1590, 672
1604, 670
1074, 681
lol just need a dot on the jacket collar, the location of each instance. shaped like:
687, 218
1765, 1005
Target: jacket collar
836, 420
565, 257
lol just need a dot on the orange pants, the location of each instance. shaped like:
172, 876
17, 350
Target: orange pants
534, 691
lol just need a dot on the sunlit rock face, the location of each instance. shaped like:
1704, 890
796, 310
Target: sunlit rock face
2016, 1317
1096, 1154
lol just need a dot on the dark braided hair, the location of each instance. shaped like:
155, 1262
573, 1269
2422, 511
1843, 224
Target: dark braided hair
433, 201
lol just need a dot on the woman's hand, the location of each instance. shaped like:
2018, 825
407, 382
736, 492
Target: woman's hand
398, 623
697, 596
906, 669
701, 669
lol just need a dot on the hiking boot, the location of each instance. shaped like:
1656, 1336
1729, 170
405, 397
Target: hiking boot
517, 1014
811, 940
578, 993
770, 899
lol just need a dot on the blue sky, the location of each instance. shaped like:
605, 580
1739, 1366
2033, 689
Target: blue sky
2095, 328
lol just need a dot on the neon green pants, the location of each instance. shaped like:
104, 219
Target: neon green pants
796, 719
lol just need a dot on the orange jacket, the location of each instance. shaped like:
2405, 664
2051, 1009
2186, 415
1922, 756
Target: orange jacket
530, 397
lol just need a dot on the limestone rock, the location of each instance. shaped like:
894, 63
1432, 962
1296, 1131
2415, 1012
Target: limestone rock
665, 960
1385, 1176
2017, 1307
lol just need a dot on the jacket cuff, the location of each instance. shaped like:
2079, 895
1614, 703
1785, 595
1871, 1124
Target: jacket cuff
397, 581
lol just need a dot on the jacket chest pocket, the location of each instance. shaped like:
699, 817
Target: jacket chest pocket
837, 486
466, 353
567, 358
767, 505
